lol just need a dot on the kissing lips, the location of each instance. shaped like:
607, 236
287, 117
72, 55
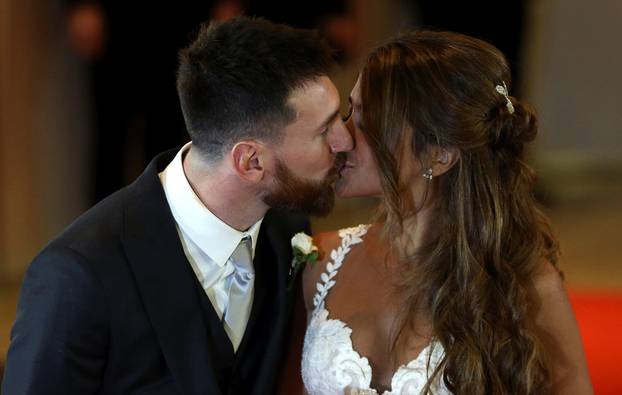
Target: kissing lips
344, 169
340, 161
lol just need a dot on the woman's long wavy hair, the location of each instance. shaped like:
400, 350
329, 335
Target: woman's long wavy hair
474, 273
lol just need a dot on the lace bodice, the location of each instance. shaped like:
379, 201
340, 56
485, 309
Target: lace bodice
330, 365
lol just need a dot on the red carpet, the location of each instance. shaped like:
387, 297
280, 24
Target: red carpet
599, 314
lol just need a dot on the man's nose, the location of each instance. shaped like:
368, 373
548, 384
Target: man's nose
341, 138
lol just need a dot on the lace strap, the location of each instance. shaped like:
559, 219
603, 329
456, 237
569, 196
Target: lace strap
349, 237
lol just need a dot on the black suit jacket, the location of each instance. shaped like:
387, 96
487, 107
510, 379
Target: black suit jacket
112, 306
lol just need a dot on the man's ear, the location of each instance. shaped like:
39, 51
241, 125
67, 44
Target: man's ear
247, 159
443, 159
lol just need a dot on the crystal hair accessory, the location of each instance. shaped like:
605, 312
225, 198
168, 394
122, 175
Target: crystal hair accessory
504, 91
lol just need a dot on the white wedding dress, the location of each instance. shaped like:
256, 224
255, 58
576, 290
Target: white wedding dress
331, 366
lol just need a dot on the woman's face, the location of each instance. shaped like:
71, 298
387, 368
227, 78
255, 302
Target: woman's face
360, 176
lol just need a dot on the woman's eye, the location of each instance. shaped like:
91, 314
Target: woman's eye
346, 117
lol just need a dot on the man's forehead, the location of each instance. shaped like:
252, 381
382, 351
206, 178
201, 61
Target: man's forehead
318, 93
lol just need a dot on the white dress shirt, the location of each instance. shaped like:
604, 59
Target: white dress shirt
207, 241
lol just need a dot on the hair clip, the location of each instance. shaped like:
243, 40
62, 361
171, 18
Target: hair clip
504, 91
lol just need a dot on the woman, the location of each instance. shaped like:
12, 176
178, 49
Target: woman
456, 288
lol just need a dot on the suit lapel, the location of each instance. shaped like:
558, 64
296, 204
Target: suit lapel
274, 256
166, 282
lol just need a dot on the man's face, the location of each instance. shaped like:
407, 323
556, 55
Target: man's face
310, 155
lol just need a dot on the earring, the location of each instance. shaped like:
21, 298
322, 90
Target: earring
428, 174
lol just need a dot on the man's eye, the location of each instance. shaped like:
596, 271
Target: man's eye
346, 117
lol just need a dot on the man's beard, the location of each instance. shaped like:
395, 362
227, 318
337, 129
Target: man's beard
293, 193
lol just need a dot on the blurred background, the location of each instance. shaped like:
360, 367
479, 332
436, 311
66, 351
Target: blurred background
87, 97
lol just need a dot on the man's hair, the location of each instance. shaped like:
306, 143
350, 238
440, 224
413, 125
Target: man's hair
234, 80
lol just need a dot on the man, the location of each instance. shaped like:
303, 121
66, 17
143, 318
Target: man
153, 291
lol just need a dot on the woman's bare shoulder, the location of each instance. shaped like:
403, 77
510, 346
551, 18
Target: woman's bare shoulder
325, 243
559, 332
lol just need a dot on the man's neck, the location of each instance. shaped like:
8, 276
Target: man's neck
222, 194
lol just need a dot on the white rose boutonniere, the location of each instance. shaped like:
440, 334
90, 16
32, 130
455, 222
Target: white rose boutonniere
304, 251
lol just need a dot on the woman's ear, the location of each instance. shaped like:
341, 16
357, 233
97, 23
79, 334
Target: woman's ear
248, 160
443, 159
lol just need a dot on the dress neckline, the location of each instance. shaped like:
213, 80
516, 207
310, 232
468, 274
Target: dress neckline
350, 237
323, 315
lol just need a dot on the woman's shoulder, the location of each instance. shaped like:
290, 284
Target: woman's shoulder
326, 242
547, 281
558, 331
549, 293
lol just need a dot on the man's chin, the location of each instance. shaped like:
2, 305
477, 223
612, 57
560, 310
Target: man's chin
291, 193
314, 202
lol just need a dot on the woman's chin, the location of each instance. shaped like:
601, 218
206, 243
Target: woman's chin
345, 189
342, 188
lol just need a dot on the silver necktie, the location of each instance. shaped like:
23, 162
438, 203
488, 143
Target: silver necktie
240, 298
